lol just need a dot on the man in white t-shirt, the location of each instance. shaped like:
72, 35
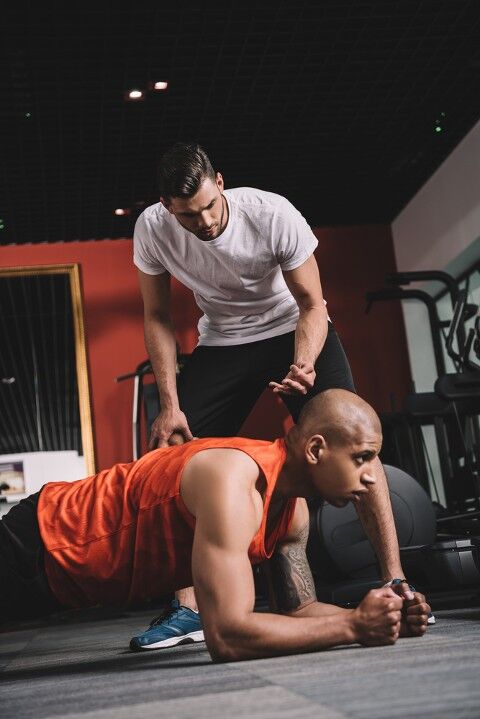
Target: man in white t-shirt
247, 255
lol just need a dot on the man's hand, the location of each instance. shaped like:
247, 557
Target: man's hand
298, 381
169, 428
414, 616
377, 619
415, 611
403, 590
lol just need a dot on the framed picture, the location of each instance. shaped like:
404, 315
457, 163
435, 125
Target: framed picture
12, 480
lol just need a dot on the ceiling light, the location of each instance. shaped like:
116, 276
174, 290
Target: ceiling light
120, 211
161, 85
135, 95
439, 123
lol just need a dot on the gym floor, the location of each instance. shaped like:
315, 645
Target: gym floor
80, 666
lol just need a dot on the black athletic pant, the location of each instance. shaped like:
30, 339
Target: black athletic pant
24, 590
218, 386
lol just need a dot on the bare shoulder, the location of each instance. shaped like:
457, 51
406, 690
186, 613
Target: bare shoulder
222, 461
218, 472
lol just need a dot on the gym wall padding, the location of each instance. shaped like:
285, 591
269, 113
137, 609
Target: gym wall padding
351, 260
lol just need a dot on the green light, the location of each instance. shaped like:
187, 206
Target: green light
438, 128
28, 115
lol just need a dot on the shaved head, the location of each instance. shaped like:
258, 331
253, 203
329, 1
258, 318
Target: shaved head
332, 450
340, 416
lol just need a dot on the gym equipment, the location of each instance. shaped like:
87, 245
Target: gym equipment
145, 393
435, 323
454, 563
449, 559
343, 562
453, 417
342, 543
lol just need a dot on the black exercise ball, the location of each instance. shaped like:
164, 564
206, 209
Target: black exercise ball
338, 548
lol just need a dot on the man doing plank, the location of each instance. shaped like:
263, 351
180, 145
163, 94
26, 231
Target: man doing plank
204, 512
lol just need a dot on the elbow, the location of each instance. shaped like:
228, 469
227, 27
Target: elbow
222, 653
313, 310
222, 649
223, 646
155, 317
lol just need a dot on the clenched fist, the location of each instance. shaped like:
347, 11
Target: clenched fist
377, 619
415, 616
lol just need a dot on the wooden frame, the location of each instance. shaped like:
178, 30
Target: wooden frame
73, 271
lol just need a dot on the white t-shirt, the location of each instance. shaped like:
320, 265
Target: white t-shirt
237, 277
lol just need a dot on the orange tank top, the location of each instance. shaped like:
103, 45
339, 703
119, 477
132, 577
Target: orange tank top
125, 535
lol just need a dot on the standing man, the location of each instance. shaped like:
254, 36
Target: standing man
247, 255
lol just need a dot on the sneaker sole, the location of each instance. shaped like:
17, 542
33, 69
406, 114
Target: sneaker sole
172, 642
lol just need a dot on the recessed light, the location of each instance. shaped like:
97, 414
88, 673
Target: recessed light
160, 85
135, 95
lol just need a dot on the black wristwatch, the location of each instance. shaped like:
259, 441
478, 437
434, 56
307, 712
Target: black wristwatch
396, 581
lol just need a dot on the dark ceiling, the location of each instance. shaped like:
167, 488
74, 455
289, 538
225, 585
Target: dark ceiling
333, 104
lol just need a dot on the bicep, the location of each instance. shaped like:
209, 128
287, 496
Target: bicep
304, 284
216, 488
223, 582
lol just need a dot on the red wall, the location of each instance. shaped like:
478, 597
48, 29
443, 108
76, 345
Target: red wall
351, 260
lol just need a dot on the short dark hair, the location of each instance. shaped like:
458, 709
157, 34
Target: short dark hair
182, 170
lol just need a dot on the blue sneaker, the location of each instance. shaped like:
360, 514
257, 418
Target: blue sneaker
176, 625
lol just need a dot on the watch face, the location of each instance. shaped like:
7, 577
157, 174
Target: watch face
397, 581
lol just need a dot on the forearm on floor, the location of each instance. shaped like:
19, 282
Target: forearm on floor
317, 609
266, 635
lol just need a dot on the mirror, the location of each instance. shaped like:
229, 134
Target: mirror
44, 390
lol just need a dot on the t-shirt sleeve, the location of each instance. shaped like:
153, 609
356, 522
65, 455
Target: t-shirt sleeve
144, 255
294, 240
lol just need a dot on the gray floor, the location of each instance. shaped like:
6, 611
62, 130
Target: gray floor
84, 669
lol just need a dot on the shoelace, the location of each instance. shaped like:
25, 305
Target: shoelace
166, 616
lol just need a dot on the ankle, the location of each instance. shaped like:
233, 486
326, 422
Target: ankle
186, 597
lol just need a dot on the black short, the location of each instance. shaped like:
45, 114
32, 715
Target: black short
24, 590
219, 386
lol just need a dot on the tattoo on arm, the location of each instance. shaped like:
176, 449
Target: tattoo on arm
291, 577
